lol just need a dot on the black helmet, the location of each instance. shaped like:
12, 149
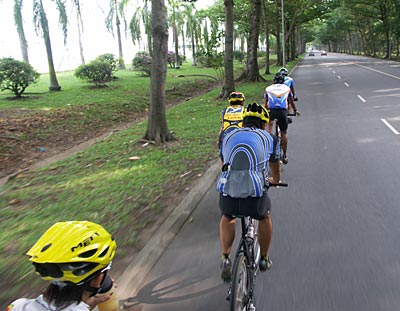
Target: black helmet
279, 78
283, 71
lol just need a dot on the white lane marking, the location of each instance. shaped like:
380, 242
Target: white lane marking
339, 77
390, 126
384, 73
333, 71
346, 84
362, 99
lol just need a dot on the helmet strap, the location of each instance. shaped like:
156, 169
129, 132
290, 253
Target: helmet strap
95, 290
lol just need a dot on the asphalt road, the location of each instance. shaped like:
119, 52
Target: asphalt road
336, 227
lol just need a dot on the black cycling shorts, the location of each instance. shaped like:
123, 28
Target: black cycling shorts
257, 208
281, 116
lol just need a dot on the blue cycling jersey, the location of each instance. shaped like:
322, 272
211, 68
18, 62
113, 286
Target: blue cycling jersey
277, 95
289, 82
245, 153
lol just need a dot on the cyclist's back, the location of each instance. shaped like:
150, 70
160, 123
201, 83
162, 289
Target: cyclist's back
247, 171
232, 116
277, 95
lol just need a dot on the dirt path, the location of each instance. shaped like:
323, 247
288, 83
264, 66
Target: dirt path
63, 155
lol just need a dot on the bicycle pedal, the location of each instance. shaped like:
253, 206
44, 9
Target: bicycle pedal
252, 307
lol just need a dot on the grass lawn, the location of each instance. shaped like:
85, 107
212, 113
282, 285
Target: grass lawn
101, 183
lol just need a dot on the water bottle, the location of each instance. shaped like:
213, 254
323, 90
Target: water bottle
111, 304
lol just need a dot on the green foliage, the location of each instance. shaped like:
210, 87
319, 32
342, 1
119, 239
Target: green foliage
16, 76
96, 72
110, 60
142, 63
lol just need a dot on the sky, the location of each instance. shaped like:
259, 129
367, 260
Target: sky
96, 39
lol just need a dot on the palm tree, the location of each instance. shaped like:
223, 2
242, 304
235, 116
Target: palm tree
175, 19
116, 12
229, 83
42, 28
76, 4
142, 16
19, 23
192, 27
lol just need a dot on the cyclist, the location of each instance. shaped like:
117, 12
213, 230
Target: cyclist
243, 182
75, 257
231, 117
288, 81
278, 98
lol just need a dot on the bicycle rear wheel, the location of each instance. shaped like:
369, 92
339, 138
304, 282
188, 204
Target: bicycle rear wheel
240, 284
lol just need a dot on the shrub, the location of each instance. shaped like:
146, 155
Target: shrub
110, 60
238, 55
171, 59
16, 76
142, 63
96, 72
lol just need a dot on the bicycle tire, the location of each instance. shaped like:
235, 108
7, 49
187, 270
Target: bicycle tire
240, 284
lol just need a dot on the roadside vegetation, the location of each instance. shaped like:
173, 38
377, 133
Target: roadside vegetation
126, 184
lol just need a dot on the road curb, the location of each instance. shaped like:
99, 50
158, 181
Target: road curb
135, 273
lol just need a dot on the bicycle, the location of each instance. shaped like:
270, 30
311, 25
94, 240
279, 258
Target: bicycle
277, 133
245, 265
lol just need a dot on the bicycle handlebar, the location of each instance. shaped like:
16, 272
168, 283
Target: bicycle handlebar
281, 184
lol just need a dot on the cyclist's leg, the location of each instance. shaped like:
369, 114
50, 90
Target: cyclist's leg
227, 234
265, 234
283, 126
264, 224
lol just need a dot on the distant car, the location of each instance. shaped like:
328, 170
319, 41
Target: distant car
323, 53
311, 53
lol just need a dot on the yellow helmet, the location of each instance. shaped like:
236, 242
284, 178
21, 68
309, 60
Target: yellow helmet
236, 97
73, 251
256, 110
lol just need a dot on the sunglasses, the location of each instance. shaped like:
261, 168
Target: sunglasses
235, 95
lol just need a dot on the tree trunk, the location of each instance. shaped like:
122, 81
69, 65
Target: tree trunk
192, 35
78, 21
252, 73
21, 32
121, 56
157, 129
175, 34
266, 30
279, 58
229, 83
54, 86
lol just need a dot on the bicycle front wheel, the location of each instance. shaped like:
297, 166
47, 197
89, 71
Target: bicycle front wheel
240, 284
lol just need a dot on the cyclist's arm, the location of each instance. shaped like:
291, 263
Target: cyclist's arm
275, 172
274, 163
293, 105
266, 105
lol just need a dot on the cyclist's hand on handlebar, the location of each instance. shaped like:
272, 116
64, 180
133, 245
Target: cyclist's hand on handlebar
272, 181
